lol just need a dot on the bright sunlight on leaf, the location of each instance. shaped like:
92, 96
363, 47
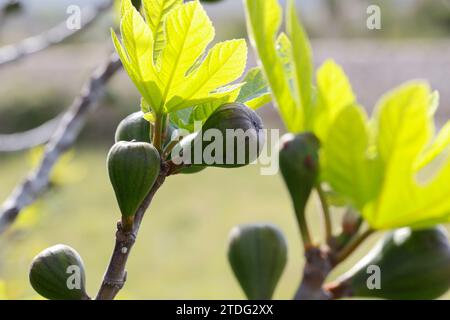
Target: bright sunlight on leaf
334, 93
376, 165
255, 92
378, 170
286, 59
347, 151
165, 57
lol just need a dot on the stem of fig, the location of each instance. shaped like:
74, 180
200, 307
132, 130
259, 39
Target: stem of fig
127, 223
158, 132
353, 245
303, 225
164, 130
326, 213
168, 149
115, 275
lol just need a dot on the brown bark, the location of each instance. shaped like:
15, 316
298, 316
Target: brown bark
115, 275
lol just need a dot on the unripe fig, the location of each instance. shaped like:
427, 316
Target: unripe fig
57, 273
257, 254
299, 165
413, 264
231, 137
191, 170
133, 169
134, 127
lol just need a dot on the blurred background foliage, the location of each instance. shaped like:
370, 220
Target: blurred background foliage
181, 251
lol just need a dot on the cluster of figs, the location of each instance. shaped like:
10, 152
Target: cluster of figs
414, 264
134, 166
134, 163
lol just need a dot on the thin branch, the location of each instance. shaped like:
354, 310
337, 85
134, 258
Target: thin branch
317, 267
115, 275
326, 213
169, 148
56, 35
353, 245
319, 263
29, 139
64, 137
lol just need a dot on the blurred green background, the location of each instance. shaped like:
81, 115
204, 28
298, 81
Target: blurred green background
181, 249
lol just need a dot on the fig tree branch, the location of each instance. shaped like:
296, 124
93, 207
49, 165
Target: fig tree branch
65, 135
53, 36
318, 265
31, 138
353, 245
326, 213
320, 261
115, 275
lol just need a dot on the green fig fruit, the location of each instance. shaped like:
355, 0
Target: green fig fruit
191, 170
57, 273
133, 169
134, 127
231, 137
186, 144
299, 166
413, 264
257, 254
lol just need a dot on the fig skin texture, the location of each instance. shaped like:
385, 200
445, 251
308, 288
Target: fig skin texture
257, 254
299, 166
134, 127
231, 117
51, 270
133, 169
413, 264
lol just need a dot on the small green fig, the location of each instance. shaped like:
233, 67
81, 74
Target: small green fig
257, 254
299, 166
413, 264
133, 169
231, 137
57, 273
134, 127
191, 170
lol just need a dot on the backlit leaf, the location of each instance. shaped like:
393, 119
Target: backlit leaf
255, 92
155, 14
302, 55
166, 60
264, 20
223, 65
349, 169
334, 94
